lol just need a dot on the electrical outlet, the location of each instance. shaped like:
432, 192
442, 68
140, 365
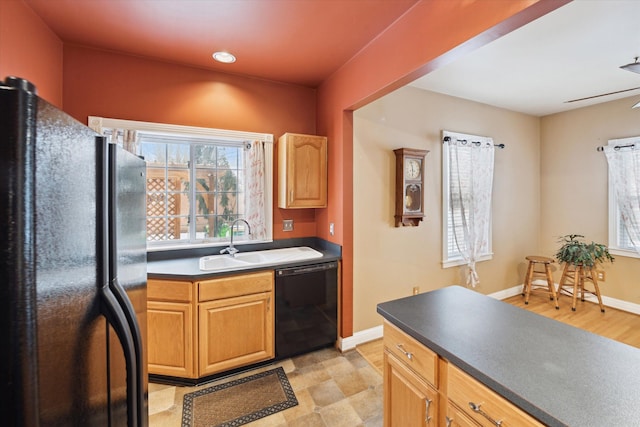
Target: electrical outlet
287, 225
416, 290
332, 229
600, 275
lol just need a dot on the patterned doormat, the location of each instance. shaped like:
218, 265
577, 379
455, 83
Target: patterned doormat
238, 402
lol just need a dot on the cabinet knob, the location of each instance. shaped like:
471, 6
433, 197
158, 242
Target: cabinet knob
476, 408
405, 352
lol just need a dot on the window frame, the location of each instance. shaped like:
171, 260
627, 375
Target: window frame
202, 136
615, 227
455, 260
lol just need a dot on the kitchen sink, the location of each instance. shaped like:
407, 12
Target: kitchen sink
256, 258
220, 262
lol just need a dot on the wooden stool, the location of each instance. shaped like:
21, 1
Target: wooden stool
532, 273
574, 278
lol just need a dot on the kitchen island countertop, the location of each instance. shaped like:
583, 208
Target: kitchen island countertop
559, 374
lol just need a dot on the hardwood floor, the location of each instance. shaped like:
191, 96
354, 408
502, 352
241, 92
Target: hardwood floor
615, 324
372, 352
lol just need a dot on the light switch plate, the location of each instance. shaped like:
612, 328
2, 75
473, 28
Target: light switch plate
287, 225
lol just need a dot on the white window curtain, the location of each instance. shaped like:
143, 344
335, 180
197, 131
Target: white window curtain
256, 215
130, 140
126, 138
471, 182
624, 173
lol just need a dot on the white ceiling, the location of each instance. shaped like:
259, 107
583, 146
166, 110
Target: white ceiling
573, 52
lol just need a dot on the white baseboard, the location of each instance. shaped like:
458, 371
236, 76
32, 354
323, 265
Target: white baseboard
361, 337
506, 293
607, 301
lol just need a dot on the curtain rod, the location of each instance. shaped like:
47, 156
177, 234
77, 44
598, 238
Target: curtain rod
617, 147
448, 138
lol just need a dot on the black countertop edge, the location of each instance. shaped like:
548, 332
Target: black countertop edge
184, 266
313, 242
516, 399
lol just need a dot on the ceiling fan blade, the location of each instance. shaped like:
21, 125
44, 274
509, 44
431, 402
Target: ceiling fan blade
602, 94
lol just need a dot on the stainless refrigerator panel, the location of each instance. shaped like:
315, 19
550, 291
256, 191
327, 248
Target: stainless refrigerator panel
130, 211
72, 353
59, 357
18, 354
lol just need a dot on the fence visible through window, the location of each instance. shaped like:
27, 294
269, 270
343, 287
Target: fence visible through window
163, 206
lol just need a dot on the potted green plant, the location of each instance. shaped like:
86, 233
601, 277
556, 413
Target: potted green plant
577, 252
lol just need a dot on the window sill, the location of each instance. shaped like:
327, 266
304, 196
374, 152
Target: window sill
624, 252
455, 262
221, 245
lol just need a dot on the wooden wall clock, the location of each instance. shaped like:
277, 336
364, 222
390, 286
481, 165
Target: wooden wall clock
409, 186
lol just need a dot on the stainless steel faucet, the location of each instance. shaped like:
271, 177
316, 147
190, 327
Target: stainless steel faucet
231, 250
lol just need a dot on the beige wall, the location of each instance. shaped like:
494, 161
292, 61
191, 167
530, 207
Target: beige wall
574, 184
389, 261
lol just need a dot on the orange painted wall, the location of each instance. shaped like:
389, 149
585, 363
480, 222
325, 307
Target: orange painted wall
430, 34
30, 50
99, 83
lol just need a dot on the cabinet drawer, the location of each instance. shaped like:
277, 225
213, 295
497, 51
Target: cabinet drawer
233, 286
169, 290
415, 355
466, 392
457, 418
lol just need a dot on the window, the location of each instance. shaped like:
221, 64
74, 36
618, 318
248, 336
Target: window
620, 242
196, 181
207, 177
457, 198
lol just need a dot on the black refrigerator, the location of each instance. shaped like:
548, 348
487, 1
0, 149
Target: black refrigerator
72, 270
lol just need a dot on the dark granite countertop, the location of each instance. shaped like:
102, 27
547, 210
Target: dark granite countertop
184, 264
561, 375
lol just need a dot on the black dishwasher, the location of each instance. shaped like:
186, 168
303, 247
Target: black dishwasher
306, 308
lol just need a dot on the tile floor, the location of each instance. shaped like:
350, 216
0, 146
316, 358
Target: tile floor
333, 390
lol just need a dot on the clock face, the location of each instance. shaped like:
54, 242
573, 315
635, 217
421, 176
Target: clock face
412, 169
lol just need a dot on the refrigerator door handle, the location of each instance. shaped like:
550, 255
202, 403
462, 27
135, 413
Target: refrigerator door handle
116, 306
137, 392
116, 316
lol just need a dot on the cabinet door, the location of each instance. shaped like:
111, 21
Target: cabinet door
235, 332
408, 400
170, 339
302, 165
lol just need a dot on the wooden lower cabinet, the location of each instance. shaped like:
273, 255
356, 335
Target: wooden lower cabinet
421, 392
196, 329
408, 400
170, 339
235, 332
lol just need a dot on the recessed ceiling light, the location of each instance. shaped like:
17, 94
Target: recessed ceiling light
224, 57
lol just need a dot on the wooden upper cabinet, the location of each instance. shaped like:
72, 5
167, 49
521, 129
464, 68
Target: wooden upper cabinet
302, 176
